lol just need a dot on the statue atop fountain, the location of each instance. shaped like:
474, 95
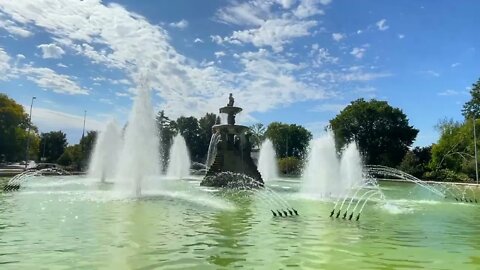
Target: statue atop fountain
229, 162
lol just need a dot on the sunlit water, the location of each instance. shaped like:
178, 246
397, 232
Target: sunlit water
76, 222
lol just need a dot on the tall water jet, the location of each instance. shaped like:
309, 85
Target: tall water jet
179, 162
140, 157
351, 168
267, 161
321, 174
104, 160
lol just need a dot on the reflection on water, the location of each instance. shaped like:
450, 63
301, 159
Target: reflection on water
77, 222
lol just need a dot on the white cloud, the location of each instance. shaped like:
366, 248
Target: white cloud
47, 120
219, 54
274, 33
382, 25
308, 8
454, 65
114, 38
338, 36
358, 52
62, 65
51, 51
13, 27
450, 92
401, 36
321, 56
198, 40
182, 24
49, 79
431, 73
5, 73
329, 107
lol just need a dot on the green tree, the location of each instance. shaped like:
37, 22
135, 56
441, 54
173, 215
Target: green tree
416, 161
382, 132
190, 130
167, 129
13, 131
472, 107
454, 151
53, 145
206, 123
289, 140
258, 134
87, 143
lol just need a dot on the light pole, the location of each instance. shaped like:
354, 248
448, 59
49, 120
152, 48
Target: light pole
475, 147
28, 134
84, 117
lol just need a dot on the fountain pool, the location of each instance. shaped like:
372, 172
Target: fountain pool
75, 221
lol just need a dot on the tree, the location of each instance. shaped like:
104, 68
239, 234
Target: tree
13, 131
53, 145
167, 129
455, 148
382, 132
206, 123
416, 161
258, 134
190, 130
472, 107
289, 140
87, 143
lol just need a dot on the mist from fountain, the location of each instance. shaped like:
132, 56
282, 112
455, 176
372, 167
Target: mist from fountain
267, 161
179, 162
139, 159
103, 162
325, 174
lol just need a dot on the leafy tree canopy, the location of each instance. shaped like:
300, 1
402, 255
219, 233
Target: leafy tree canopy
472, 107
290, 140
382, 132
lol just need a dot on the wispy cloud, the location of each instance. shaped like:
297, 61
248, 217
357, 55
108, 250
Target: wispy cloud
382, 25
182, 24
338, 36
51, 51
358, 52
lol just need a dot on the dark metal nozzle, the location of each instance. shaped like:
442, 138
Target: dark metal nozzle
358, 217
285, 213
338, 214
290, 212
279, 213
274, 214
350, 217
333, 212
295, 211
345, 215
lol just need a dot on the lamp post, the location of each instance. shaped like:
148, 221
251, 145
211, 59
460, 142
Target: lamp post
28, 134
475, 147
84, 117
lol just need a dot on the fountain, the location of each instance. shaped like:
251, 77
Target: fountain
139, 158
179, 162
267, 161
231, 152
105, 154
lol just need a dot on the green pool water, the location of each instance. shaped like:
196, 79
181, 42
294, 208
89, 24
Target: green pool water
77, 223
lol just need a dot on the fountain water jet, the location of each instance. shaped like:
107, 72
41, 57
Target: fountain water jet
140, 158
105, 154
325, 175
267, 161
179, 162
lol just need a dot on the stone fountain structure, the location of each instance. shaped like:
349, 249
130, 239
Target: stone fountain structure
230, 154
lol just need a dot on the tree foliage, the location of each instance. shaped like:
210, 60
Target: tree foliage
472, 107
53, 145
13, 131
382, 132
258, 134
289, 140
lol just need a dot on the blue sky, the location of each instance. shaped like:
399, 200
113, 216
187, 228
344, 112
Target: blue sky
295, 61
